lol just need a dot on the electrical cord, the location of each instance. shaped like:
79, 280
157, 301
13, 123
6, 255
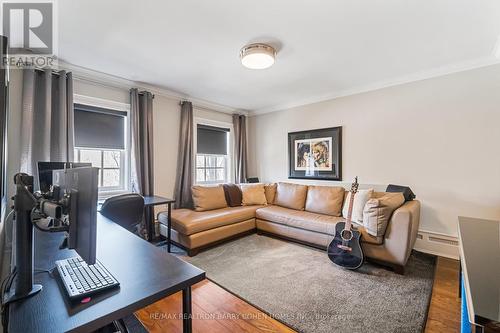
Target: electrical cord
41, 270
34, 221
5, 286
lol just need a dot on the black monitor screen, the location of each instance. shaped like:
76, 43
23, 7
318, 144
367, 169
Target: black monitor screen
45, 172
81, 183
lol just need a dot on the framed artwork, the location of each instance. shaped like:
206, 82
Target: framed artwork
315, 154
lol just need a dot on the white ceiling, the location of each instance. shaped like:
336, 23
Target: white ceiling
325, 47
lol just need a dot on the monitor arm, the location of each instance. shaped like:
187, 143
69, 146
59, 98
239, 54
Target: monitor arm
24, 203
29, 210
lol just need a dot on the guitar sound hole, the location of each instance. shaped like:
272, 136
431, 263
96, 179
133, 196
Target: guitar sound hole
346, 235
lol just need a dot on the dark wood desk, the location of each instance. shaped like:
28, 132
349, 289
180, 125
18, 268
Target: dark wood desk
149, 203
146, 274
479, 243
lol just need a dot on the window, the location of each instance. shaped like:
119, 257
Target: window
212, 157
211, 168
100, 139
109, 162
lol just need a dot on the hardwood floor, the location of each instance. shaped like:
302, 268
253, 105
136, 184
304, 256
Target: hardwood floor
217, 310
214, 310
444, 311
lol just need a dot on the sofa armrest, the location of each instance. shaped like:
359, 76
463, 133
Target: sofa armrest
402, 231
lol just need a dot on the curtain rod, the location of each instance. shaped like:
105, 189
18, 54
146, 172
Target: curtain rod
143, 92
56, 72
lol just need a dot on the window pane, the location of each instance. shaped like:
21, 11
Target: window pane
112, 159
211, 175
221, 161
211, 161
111, 177
221, 174
200, 161
200, 175
91, 156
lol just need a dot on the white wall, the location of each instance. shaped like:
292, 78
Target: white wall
440, 136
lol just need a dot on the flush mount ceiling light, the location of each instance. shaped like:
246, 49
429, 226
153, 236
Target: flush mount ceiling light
257, 56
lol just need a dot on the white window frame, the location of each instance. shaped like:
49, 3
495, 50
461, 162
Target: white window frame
123, 158
127, 157
230, 149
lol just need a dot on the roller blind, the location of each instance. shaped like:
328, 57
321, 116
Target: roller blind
99, 128
212, 140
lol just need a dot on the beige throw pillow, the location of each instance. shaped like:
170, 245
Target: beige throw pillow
378, 211
291, 196
360, 199
208, 197
253, 194
325, 200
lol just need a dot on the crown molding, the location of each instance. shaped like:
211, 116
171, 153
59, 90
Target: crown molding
109, 80
424, 75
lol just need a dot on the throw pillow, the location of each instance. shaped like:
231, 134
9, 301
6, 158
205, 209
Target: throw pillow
233, 195
290, 195
378, 211
253, 194
208, 197
325, 200
360, 199
270, 192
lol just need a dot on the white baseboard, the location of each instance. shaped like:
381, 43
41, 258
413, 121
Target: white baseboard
437, 244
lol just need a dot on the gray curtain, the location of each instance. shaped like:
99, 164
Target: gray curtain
185, 167
240, 148
47, 129
141, 120
141, 124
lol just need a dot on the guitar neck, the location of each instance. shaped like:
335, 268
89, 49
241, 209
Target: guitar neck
348, 223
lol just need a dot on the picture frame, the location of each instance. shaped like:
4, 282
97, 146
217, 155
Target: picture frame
315, 154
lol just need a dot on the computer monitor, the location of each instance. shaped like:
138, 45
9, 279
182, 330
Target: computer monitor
82, 184
45, 172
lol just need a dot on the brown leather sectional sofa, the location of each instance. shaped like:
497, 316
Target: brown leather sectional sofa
302, 214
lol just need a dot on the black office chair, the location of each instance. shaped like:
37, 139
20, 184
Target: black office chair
126, 210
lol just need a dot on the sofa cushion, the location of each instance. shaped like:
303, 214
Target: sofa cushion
253, 194
299, 219
188, 222
320, 223
208, 197
270, 190
291, 196
378, 211
233, 195
325, 200
360, 199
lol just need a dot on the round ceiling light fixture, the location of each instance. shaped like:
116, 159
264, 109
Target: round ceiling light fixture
257, 56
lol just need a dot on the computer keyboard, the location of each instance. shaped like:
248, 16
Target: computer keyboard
81, 280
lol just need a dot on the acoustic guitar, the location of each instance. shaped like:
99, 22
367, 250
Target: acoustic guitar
345, 249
